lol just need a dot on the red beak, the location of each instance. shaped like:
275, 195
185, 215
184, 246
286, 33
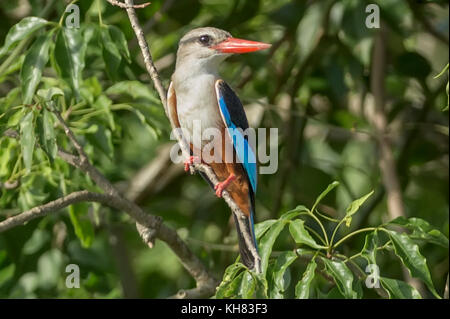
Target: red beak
234, 45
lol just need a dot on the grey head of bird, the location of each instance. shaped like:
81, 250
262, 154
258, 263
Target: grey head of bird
205, 48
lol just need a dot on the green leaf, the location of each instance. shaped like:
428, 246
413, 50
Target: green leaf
103, 140
261, 285
16, 117
82, 225
411, 257
230, 289
421, 230
46, 134
48, 94
142, 118
6, 274
342, 276
35, 60
103, 103
262, 227
247, 286
323, 194
69, 56
309, 28
228, 277
302, 287
27, 139
301, 235
369, 251
282, 263
398, 289
111, 54
20, 31
135, 89
36, 242
49, 268
267, 241
120, 41
295, 212
353, 208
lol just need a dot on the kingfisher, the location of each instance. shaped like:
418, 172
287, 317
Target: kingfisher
198, 94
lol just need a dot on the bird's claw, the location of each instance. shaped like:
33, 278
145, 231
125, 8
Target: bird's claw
220, 187
191, 160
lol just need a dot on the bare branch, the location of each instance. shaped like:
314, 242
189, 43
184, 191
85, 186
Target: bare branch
124, 6
206, 284
380, 122
148, 61
388, 167
53, 207
149, 226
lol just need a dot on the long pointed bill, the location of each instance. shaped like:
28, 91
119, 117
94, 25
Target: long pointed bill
234, 45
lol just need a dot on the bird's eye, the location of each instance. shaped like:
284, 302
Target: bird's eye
205, 39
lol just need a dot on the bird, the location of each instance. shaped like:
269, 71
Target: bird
198, 93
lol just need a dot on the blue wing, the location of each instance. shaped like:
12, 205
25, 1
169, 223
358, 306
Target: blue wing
236, 122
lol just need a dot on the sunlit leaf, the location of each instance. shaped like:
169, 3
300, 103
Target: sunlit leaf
266, 243
262, 227
35, 60
282, 263
46, 134
230, 273
354, 207
83, 227
20, 31
422, 230
369, 251
69, 56
301, 235
323, 194
27, 139
120, 41
398, 289
302, 287
411, 257
111, 54
49, 268
342, 276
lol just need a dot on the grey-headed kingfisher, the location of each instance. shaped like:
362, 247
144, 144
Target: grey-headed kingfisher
197, 93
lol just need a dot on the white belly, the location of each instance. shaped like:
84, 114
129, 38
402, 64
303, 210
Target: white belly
198, 110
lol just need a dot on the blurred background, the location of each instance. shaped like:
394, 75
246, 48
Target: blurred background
357, 105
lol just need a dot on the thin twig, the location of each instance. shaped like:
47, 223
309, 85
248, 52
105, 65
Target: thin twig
125, 6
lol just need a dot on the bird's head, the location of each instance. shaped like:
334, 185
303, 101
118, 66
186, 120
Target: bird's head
210, 46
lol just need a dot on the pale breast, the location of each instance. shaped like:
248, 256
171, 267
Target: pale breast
197, 107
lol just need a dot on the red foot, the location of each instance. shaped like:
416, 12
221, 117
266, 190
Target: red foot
220, 187
190, 161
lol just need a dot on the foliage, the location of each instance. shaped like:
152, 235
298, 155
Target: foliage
314, 85
325, 262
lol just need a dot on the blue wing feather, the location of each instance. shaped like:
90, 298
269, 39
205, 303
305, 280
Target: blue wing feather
236, 122
241, 146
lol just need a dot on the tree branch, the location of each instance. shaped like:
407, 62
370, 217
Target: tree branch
386, 156
124, 6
